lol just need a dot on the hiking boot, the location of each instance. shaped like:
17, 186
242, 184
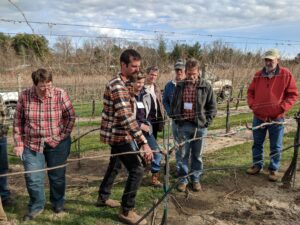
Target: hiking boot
181, 187
109, 202
253, 170
155, 180
196, 187
130, 217
32, 215
273, 176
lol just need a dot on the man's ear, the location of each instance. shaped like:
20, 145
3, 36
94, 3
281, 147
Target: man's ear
122, 63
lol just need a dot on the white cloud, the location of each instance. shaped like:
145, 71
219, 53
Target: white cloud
195, 14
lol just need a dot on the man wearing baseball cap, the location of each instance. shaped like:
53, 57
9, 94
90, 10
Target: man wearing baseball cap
270, 95
179, 68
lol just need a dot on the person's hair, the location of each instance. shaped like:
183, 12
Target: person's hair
152, 69
191, 64
137, 76
128, 55
41, 75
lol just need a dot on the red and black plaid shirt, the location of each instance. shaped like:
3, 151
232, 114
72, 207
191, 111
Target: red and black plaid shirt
38, 121
189, 96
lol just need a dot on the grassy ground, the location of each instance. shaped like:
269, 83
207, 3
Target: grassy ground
86, 109
81, 209
80, 199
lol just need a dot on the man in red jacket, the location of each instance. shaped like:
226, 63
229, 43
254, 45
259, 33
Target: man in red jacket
270, 95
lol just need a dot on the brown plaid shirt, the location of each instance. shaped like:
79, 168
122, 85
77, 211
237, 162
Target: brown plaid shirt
189, 96
119, 124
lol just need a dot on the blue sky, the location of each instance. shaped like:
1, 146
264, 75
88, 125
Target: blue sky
250, 25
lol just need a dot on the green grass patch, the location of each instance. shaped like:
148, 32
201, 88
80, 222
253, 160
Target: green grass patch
85, 109
235, 120
90, 142
240, 119
223, 106
293, 110
81, 209
87, 124
240, 156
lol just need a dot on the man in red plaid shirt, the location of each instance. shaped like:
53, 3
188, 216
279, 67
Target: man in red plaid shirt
193, 108
43, 123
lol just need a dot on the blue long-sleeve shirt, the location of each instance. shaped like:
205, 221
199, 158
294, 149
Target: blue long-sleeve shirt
168, 95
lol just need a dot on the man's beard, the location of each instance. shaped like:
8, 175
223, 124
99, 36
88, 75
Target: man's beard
132, 77
270, 68
191, 79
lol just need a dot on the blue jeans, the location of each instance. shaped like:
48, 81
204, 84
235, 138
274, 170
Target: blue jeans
276, 133
4, 190
35, 181
194, 149
155, 164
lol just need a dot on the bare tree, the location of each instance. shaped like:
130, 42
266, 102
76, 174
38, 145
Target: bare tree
63, 47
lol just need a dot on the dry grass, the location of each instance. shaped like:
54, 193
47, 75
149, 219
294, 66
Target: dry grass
85, 80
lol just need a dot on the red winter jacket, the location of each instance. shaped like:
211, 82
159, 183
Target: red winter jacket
270, 98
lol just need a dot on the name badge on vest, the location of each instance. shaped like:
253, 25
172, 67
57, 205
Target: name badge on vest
188, 105
140, 105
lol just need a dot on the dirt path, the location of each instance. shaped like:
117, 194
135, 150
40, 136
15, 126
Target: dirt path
241, 199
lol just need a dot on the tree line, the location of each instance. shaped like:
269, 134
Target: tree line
103, 54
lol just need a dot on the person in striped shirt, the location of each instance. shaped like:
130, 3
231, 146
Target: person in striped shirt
121, 131
193, 109
43, 122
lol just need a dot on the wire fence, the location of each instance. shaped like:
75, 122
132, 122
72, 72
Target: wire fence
167, 150
87, 101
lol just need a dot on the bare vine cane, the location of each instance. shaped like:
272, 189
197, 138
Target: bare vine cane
290, 173
78, 144
164, 133
240, 96
164, 220
228, 115
263, 125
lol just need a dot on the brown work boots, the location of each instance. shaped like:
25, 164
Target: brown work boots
253, 170
196, 187
130, 217
273, 175
181, 187
155, 180
109, 202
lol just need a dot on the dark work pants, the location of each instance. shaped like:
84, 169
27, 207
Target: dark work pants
135, 175
155, 126
4, 190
